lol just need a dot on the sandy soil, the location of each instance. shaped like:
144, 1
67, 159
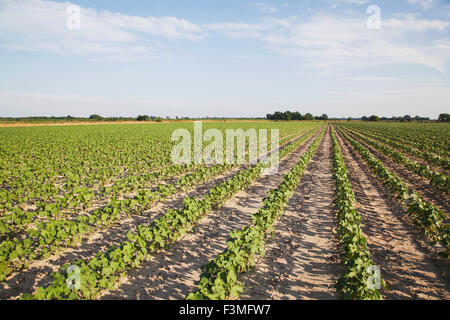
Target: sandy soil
414, 158
173, 274
413, 180
39, 272
301, 260
411, 270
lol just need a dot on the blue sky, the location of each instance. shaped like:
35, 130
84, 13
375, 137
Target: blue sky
224, 58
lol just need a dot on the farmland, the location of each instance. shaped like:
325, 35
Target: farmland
355, 211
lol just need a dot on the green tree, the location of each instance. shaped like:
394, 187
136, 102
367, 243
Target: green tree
143, 118
297, 116
444, 117
407, 118
374, 118
95, 117
288, 116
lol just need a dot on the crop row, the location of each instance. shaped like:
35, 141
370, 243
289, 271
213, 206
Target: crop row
80, 198
219, 279
355, 258
412, 135
431, 158
52, 236
430, 219
106, 268
437, 179
19, 218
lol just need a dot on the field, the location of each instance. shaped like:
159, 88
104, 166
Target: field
356, 211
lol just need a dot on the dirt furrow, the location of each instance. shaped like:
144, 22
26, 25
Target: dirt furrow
301, 260
412, 157
410, 269
39, 272
173, 274
413, 180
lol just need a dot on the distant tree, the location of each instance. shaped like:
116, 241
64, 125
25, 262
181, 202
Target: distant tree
143, 118
95, 117
374, 118
324, 117
349, 119
297, 116
407, 118
287, 116
365, 118
308, 116
158, 119
444, 117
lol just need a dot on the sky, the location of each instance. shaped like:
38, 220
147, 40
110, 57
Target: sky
224, 58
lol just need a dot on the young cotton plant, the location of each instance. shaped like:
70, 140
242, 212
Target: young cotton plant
219, 279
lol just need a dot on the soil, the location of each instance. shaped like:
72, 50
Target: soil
302, 257
301, 261
39, 272
409, 267
413, 180
174, 273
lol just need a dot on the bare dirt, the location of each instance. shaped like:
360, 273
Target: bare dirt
173, 274
301, 261
410, 268
413, 180
39, 272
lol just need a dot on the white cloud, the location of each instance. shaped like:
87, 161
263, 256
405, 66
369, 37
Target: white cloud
337, 3
328, 41
382, 79
238, 29
265, 8
38, 25
424, 4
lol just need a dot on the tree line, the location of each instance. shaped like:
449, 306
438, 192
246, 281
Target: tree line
444, 117
289, 116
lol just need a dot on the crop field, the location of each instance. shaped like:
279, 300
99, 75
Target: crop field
355, 210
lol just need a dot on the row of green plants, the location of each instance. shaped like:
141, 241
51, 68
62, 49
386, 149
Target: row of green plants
106, 268
78, 199
355, 256
41, 163
430, 219
220, 277
437, 179
427, 137
431, 158
52, 236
